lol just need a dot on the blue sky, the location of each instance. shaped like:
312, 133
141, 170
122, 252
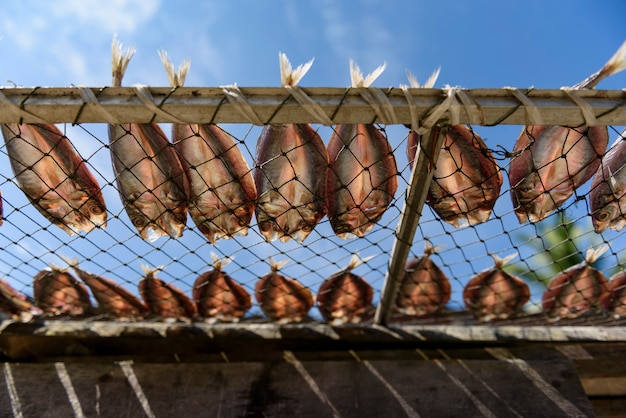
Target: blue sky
477, 44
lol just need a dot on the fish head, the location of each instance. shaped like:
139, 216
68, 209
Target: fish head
608, 216
94, 213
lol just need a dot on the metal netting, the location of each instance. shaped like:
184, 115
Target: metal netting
30, 243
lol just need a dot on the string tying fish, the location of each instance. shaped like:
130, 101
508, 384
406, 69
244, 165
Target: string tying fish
90, 100
533, 116
473, 109
143, 93
19, 110
585, 108
236, 98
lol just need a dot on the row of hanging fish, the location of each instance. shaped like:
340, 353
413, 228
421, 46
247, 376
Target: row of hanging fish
344, 297
298, 180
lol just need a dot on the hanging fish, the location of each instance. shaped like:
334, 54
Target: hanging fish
163, 299
149, 175
617, 286
424, 288
607, 196
577, 289
15, 303
56, 291
344, 296
54, 177
281, 298
496, 294
222, 190
466, 179
111, 297
551, 162
218, 296
362, 177
290, 175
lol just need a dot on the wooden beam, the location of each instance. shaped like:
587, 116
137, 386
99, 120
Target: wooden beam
275, 105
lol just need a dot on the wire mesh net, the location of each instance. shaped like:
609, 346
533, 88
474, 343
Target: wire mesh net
227, 272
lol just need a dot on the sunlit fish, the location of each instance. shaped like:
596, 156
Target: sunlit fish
54, 177
112, 298
496, 294
577, 290
607, 196
56, 291
282, 298
551, 162
222, 190
424, 288
16, 304
148, 172
466, 178
218, 296
290, 175
164, 299
345, 297
617, 286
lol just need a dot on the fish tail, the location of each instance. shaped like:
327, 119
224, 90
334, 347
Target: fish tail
176, 78
120, 60
614, 65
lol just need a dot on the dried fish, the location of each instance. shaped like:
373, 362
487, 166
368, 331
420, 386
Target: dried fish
362, 177
290, 175
218, 296
15, 303
149, 174
424, 288
617, 286
56, 291
551, 162
222, 190
163, 299
112, 298
607, 196
577, 289
466, 179
344, 296
496, 294
54, 177
282, 298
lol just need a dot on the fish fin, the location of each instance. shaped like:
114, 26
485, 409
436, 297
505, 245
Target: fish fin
358, 80
176, 78
289, 76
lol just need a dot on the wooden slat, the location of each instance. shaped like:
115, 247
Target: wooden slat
209, 104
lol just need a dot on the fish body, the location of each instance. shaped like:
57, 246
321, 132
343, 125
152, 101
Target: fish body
56, 291
345, 297
550, 162
13, 302
111, 297
219, 297
495, 294
54, 177
148, 172
577, 290
424, 288
466, 178
607, 196
290, 179
222, 190
163, 299
362, 178
617, 286
282, 298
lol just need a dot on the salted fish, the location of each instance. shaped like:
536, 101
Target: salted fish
112, 298
54, 177
290, 175
577, 290
345, 297
466, 178
56, 291
164, 299
15, 303
218, 296
607, 196
148, 172
424, 287
617, 286
550, 162
281, 298
494, 293
362, 177
222, 193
